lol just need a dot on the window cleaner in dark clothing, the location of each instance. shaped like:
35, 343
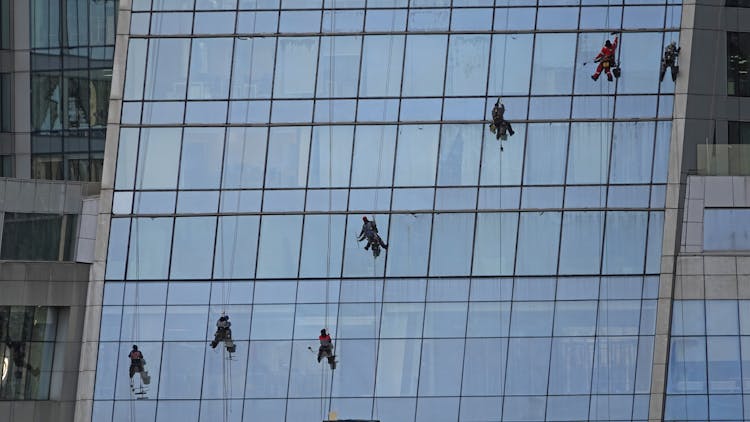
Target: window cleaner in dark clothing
671, 54
138, 364
224, 333
499, 126
370, 232
606, 60
326, 349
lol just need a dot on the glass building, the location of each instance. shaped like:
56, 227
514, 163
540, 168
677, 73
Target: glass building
521, 281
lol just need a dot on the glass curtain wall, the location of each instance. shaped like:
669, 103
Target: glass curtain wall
518, 284
71, 71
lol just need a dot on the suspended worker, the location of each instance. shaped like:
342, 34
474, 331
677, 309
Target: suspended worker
326, 348
499, 126
224, 333
137, 364
671, 53
370, 231
606, 60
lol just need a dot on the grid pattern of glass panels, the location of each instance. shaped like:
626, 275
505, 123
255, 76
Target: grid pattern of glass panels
708, 371
518, 285
72, 46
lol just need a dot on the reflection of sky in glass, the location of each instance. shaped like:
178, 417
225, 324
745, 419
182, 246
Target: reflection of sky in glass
514, 278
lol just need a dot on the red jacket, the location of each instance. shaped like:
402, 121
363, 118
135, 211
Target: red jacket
607, 52
325, 339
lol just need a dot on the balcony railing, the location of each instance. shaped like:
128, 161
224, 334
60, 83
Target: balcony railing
724, 160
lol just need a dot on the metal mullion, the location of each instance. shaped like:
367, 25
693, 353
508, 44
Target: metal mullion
392, 122
403, 32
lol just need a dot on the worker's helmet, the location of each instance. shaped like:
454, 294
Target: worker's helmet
323, 332
364, 218
135, 347
608, 44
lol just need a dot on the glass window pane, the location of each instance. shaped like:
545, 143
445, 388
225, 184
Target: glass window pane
425, 65
253, 67
570, 365
528, 364
460, 146
614, 365
467, 65
338, 67
176, 383
235, 252
382, 58
687, 365
416, 160
538, 240
437, 378
575, 318
724, 373
644, 49
632, 152
268, 369
202, 150
371, 142
193, 247
148, 256
451, 244
359, 379
158, 158
127, 149
726, 229
136, 69
531, 319
484, 367
330, 156
495, 243
402, 320
412, 233
624, 242
118, 247
398, 368
511, 77
279, 246
295, 67
581, 248
545, 153
166, 76
588, 159
319, 257
554, 56
445, 320
722, 317
209, 67
288, 150
244, 159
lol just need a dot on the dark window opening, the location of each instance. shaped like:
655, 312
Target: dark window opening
739, 133
27, 346
38, 237
738, 53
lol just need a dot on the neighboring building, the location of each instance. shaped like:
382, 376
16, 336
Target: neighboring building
55, 74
